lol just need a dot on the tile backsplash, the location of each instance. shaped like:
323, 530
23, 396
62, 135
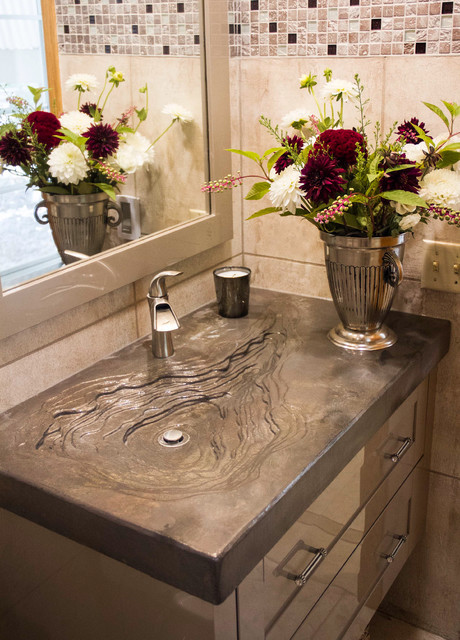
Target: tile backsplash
262, 27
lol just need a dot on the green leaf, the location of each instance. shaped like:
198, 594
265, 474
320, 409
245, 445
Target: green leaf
272, 150
452, 146
257, 191
405, 197
74, 138
448, 158
274, 158
141, 114
248, 154
106, 188
438, 112
373, 176
53, 189
263, 212
453, 108
351, 221
85, 187
400, 167
426, 139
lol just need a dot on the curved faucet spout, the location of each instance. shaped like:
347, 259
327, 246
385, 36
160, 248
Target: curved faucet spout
162, 316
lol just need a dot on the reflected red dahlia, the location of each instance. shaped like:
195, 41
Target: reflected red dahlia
90, 109
407, 131
296, 143
341, 144
321, 178
45, 125
103, 141
15, 149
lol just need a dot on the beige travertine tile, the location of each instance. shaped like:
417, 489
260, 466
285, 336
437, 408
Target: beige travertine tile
28, 376
427, 591
290, 277
384, 627
20, 344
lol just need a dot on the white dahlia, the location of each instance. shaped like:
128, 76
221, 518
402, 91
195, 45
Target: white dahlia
336, 88
176, 112
81, 82
76, 121
414, 152
441, 187
134, 152
284, 190
294, 116
67, 164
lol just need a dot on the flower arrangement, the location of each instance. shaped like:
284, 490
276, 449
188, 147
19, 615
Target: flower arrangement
79, 152
344, 183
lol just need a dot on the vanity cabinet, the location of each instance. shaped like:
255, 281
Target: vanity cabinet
327, 575
321, 581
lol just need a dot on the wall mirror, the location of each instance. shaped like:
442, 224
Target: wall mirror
178, 220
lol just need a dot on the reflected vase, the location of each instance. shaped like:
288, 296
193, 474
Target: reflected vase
78, 222
363, 275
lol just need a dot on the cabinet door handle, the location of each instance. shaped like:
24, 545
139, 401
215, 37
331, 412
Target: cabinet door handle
396, 457
302, 578
391, 556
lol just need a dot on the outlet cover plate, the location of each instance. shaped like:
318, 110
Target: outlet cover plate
441, 266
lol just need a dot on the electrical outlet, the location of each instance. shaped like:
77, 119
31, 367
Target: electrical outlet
130, 225
441, 266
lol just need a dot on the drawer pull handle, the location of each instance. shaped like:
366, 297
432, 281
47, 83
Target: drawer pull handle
396, 457
391, 556
302, 578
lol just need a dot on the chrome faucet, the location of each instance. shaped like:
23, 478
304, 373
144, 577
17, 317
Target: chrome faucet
164, 320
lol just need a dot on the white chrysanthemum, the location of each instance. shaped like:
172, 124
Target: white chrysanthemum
284, 190
334, 88
441, 187
409, 221
414, 152
176, 112
81, 82
295, 116
134, 152
76, 121
67, 164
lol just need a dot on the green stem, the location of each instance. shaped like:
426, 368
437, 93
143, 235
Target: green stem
107, 97
103, 89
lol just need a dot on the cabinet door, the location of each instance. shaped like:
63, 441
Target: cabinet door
337, 521
383, 551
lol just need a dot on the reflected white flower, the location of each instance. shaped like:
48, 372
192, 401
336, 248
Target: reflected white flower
414, 152
441, 187
409, 221
76, 121
176, 112
296, 115
336, 88
81, 82
284, 190
67, 164
134, 152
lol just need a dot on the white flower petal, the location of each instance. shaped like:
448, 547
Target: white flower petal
67, 164
81, 82
336, 87
441, 187
284, 190
134, 152
76, 121
409, 221
176, 112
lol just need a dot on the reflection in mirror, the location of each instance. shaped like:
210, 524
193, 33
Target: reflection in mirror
158, 45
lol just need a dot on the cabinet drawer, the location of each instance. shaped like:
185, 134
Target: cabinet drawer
380, 555
339, 518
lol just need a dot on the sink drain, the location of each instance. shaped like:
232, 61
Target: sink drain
173, 438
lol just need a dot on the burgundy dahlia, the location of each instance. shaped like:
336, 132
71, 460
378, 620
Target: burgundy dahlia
296, 144
341, 144
103, 141
404, 180
321, 178
45, 125
90, 108
407, 131
15, 148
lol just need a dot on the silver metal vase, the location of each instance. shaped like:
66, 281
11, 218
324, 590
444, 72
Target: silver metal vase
78, 222
363, 275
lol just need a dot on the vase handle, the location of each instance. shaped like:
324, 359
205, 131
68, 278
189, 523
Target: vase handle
393, 269
111, 220
38, 206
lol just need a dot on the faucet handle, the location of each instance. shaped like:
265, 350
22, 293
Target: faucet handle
157, 287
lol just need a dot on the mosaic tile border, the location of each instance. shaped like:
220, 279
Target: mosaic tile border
343, 27
128, 27
314, 28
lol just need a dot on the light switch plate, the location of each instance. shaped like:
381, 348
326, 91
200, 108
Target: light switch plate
441, 266
130, 226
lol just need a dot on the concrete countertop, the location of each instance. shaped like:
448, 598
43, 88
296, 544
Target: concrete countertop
273, 410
